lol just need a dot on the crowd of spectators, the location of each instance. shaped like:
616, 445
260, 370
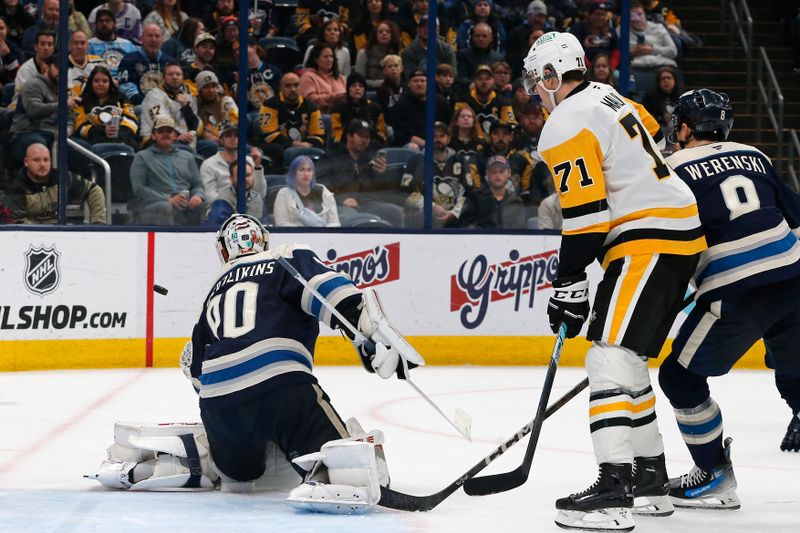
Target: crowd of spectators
337, 100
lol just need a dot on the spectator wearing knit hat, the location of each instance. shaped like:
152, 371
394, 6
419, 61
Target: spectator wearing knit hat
213, 107
357, 105
483, 11
535, 19
415, 55
408, 116
595, 33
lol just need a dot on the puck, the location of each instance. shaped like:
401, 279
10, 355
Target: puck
160, 290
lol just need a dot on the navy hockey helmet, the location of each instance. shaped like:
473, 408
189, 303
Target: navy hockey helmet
704, 111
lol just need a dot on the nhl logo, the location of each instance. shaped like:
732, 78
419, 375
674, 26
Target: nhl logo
41, 270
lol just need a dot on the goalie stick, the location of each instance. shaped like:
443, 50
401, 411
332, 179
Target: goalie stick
502, 482
464, 422
408, 502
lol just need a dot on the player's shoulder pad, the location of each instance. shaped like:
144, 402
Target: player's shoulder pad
288, 250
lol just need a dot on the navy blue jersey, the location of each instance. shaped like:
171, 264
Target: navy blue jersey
258, 325
749, 216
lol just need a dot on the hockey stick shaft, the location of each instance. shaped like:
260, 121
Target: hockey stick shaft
408, 502
506, 481
358, 335
495, 483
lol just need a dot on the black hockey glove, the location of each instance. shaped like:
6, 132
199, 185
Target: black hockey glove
569, 304
791, 441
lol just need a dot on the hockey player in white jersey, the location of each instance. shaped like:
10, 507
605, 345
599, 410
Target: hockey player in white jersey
623, 206
748, 282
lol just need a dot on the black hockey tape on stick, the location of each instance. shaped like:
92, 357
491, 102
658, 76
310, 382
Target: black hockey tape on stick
408, 502
160, 290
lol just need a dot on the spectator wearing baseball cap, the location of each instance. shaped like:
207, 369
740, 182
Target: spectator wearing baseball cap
453, 174
219, 180
501, 138
478, 53
361, 179
357, 105
487, 105
408, 116
595, 33
205, 48
167, 189
415, 55
497, 204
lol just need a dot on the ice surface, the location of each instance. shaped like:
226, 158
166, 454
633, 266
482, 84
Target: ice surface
57, 424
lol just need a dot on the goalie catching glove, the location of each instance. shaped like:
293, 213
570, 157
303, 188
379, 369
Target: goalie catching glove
386, 352
569, 304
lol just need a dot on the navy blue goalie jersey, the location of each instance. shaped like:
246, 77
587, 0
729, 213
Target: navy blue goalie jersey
749, 216
258, 325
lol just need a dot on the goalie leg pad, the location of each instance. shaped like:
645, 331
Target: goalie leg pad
158, 457
344, 479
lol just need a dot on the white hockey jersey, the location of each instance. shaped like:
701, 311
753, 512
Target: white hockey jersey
612, 180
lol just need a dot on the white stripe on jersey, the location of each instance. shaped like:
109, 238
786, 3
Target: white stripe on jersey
254, 350
576, 223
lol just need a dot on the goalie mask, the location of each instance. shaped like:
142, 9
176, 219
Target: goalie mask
550, 57
241, 235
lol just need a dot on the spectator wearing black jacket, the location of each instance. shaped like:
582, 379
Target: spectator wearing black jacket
357, 105
359, 179
408, 117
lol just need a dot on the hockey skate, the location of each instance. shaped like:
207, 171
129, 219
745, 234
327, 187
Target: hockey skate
651, 487
605, 506
707, 490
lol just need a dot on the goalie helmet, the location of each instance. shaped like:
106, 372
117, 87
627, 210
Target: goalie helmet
551, 56
241, 235
704, 111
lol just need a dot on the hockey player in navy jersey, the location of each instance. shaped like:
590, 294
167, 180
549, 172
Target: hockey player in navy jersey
252, 362
748, 282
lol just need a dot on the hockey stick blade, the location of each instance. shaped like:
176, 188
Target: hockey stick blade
494, 483
408, 502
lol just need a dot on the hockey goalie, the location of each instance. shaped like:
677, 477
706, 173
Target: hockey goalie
250, 360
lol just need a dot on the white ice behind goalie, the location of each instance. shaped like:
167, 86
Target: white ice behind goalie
345, 476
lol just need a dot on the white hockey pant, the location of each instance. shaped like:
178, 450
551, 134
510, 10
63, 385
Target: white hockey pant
622, 416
